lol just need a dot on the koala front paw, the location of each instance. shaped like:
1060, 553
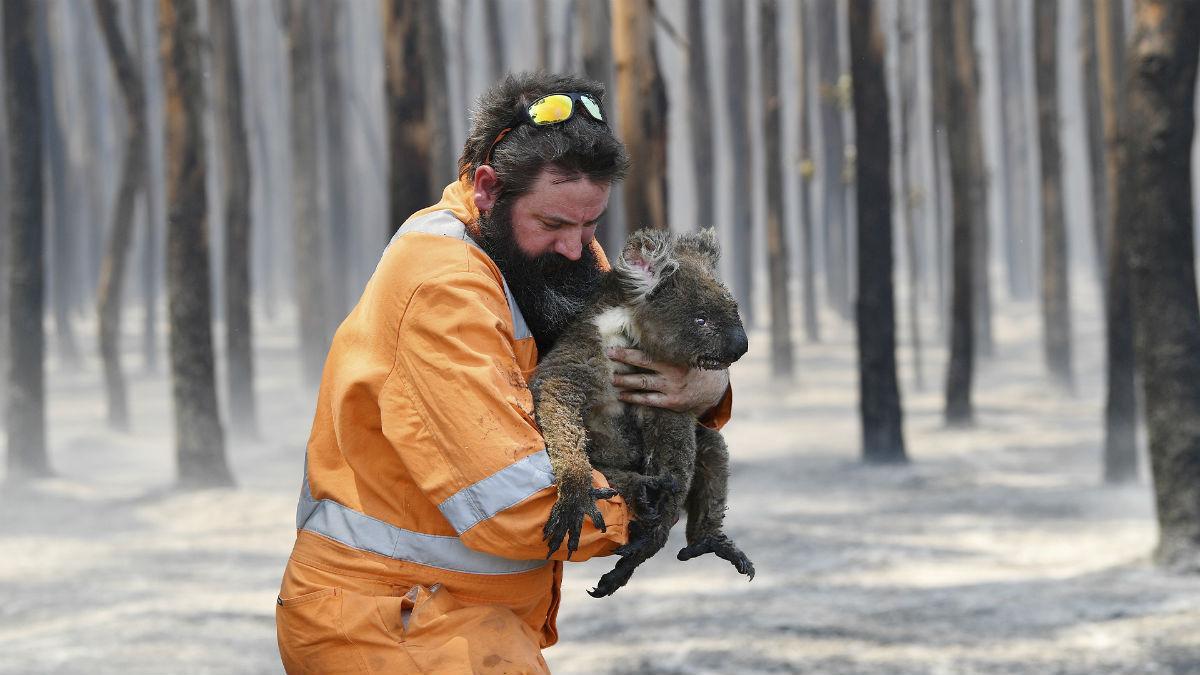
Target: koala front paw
566, 518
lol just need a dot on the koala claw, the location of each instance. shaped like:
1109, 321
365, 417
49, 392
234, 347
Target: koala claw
724, 548
566, 519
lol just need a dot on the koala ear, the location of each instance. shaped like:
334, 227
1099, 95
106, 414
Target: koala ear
647, 259
702, 243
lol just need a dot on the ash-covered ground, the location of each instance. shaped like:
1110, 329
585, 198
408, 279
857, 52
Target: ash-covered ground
997, 550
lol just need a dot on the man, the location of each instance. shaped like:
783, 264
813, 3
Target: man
419, 544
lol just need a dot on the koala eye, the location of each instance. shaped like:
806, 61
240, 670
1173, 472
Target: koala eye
701, 321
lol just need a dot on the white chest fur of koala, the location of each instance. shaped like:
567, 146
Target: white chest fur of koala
615, 326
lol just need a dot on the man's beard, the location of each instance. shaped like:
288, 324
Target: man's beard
550, 289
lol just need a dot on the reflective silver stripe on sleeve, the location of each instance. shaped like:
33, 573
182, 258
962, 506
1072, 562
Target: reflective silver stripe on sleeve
360, 531
510, 485
445, 224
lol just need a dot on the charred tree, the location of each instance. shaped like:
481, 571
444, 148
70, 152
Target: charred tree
1015, 151
409, 176
26, 416
199, 441
64, 190
736, 91
153, 207
334, 95
133, 171
967, 60
1056, 305
235, 156
1120, 406
777, 255
957, 87
907, 64
699, 109
808, 259
541, 15
833, 156
1162, 88
495, 35
642, 113
1093, 121
875, 311
308, 240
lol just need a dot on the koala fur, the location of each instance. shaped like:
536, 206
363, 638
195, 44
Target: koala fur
664, 298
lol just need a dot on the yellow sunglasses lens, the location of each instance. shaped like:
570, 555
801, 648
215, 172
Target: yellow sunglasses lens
593, 108
551, 109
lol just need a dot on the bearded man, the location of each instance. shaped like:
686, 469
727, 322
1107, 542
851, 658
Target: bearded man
419, 529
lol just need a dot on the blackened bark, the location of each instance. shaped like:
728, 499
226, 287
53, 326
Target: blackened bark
495, 36
112, 270
1120, 406
808, 260
199, 441
153, 206
968, 61
1162, 81
907, 64
1056, 305
235, 157
875, 312
433, 50
700, 124
309, 243
957, 88
409, 176
1095, 129
642, 107
736, 92
777, 255
833, 163
26, 375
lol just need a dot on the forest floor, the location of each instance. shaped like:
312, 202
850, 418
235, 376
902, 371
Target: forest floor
997, 550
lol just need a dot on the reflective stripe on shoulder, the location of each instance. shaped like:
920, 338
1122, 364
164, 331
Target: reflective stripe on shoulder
508, 486
360, 531
445, 224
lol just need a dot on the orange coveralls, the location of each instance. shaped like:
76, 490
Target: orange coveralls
419, 528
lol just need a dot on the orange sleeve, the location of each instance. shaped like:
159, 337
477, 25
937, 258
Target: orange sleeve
481, 457
718, 415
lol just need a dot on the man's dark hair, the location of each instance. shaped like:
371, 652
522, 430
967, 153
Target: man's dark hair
579, 146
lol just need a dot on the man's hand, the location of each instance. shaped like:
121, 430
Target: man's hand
678, 388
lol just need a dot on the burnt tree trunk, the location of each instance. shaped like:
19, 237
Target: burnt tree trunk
495, 35
967, 60
1015, 151
907, 77
409, 176
1056, 305
152, 206
875, 311
777, 255
808, 259
133, 172
333, 92
1120, 406
642, 109
1162, 87
700, 124
833, 164
199, 441
235, 154
309, 242
1099, 197
955, 18
736, 91
26, 417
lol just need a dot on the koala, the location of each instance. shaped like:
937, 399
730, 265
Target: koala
662, 297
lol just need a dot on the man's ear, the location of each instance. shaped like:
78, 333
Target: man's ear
487, 187
645, 261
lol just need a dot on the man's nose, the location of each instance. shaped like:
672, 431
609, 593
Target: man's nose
569, 246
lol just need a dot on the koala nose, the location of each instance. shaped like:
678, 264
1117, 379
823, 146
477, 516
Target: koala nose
736, 343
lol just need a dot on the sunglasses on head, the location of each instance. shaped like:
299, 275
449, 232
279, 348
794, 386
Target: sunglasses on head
547, 110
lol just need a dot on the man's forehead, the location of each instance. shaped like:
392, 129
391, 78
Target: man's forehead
576, 201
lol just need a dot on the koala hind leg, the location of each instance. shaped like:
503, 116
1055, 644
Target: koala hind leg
706, 504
